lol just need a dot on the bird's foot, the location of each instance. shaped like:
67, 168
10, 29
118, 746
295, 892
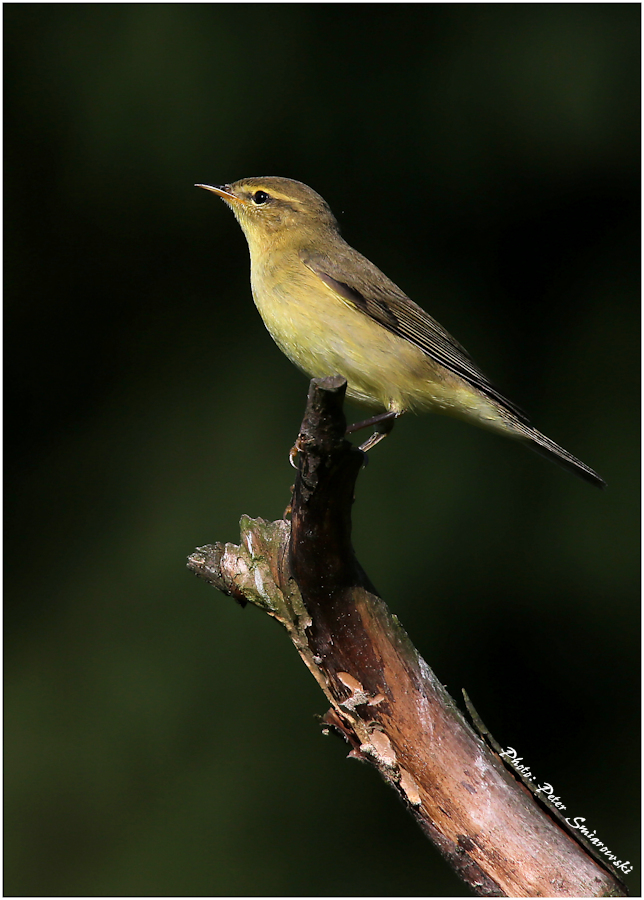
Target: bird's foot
384, 424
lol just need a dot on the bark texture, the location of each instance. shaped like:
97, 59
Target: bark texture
383, 697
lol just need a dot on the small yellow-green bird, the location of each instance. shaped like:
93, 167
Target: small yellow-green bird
333, 312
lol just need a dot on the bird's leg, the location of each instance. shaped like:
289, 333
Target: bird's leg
384, 423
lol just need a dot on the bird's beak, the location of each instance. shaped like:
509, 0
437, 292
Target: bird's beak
222, 190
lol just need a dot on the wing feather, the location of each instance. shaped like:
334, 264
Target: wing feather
364, 287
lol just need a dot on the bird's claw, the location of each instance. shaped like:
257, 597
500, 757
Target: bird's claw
295, 449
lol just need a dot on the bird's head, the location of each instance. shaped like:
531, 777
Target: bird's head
272, 208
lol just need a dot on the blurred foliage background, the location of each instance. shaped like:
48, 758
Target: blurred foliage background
158, 739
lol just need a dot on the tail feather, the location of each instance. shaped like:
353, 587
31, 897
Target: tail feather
545, 447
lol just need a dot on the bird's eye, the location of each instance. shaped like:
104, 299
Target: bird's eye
260, 197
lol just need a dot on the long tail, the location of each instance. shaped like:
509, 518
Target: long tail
545, 447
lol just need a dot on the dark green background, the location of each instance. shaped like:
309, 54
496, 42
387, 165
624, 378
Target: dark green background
158, 739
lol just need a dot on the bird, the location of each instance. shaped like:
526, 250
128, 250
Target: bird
332, 311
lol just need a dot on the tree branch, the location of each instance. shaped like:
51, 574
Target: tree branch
383, 697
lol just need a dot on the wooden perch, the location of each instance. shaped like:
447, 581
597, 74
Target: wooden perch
384, 699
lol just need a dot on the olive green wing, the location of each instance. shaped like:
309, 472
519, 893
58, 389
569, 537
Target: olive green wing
363, 286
